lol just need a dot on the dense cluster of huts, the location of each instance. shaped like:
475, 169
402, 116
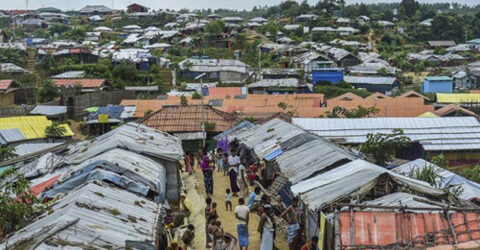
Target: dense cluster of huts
350, 202
110, 192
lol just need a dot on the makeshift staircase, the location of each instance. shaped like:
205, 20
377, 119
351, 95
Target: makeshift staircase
31, 65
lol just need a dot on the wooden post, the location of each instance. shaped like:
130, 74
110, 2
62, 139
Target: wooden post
466, 225
352, 227
445, 231
451, 227
338, 241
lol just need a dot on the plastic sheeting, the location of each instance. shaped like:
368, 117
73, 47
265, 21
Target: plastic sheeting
136, 167
449, 179
356, 177
107, 217
305, 160
101, 175
134, 137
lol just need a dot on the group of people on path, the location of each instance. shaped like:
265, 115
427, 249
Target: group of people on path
240, 177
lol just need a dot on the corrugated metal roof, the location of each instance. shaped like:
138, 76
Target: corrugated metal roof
11, 135
370, 80
458, 98
106, 216
70, 75
358, 176
286, 82
48, 110
30, 148
432, 133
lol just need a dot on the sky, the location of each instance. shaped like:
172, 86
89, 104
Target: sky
175, 4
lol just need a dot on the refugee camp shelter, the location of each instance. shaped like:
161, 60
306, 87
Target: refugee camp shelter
7, 92
456, 137
185, 121
437, 84
446, 179
23, 128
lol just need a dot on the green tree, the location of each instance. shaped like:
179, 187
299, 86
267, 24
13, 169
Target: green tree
17, 202
48, 92
183, 100
215, 28
7, 153
427, 174
408, 8
382, 147
55, 130
196, 96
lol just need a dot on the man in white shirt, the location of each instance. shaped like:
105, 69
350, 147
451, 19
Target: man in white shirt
233, 162
242, 214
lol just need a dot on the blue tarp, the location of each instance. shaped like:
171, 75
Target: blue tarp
273, 154
100, 175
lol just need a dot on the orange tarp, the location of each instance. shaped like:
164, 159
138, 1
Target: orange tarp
419, 229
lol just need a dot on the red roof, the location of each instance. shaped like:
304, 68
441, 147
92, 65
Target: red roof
85, 83
224, 91
5, 84
39, 188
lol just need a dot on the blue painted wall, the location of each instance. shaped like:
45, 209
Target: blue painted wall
437, 86
333, 76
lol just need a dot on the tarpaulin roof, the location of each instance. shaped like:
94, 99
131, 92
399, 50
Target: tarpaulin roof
310, 157
95, 216
134, 137
400, 199
235, 129
447, 179
356, 177
137, 168
265, 138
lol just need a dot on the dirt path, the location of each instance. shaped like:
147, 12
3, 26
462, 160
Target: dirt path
196, 195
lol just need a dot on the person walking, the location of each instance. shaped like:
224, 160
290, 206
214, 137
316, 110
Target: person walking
207, 175
242, 214
233, 162
267, 228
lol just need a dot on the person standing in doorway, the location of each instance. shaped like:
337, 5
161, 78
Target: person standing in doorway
233, 162
243, 217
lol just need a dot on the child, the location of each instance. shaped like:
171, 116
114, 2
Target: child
225, 163
228, 200
219, 158
213, 209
